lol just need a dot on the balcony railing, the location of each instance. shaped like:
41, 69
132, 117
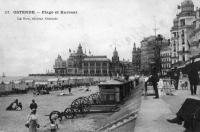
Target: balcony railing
183, 52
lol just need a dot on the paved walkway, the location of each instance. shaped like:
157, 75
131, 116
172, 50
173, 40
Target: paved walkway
154, 112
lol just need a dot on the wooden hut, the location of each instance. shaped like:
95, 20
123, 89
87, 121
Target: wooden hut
115, 91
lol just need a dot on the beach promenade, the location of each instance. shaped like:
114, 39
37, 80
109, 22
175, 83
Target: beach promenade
154, 113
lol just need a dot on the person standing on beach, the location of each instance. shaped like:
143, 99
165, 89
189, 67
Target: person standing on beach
33, 121
69, 90
33, 105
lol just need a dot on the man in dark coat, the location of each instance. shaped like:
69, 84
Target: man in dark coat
189, 111
175, 76
33, 105
193, 78
154, 79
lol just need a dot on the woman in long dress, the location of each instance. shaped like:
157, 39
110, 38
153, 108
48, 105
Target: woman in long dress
33, 121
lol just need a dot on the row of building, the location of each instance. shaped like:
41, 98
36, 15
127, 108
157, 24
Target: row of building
183, 45
79, 63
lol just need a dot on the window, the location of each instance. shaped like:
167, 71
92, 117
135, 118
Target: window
182, 22
92, 72
85, 64
183, 57
85, 71
92, 64
182, 34
104, 64
98, 64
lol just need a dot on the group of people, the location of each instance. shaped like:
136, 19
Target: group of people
189, 112
15, 105
192, 73
32, 122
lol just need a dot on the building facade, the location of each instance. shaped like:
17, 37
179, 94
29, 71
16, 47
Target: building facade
60, 66
183, 25
165, 59
147, 54
194, 37
155, 51
116, 65
79, 63
96, 66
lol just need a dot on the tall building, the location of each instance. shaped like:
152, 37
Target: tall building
60, 66
165, 58
182, 26
194, 36
153, 51
74, 62
136, 59
147, 54
116, 65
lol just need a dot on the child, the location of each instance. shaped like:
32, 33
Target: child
53, 126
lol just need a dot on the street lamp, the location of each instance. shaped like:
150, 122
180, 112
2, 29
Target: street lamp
157, 49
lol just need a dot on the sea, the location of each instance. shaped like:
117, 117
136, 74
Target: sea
11, 78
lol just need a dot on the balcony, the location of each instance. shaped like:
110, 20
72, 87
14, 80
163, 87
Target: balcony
183, 52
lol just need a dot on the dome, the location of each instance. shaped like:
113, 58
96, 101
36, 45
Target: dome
80, 50
187, 2
115, 53
187, 5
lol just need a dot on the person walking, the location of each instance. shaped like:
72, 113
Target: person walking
33, 105
193, 78
154, 79
33, 121
176, 78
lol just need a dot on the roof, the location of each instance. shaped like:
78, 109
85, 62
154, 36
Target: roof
41, 83
114, 82
96, 59
111, 82
27, 81
64, 79
53, 79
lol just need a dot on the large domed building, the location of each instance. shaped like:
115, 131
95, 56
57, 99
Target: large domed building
79, 63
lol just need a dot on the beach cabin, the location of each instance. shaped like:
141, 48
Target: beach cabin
72, 81
115, 91
37, 84
29, 84
64, 81
20, 85
5, 87
53, 82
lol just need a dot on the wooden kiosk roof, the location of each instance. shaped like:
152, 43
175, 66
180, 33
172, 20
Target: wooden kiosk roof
113, 82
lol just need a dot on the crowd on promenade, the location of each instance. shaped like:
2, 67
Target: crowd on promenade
189, 113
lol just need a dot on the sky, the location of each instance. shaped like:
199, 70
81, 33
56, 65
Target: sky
31, 46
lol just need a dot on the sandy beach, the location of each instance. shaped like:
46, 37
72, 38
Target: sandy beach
14, 121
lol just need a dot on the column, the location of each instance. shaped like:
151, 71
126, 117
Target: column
88, 68
101, 66
95, 68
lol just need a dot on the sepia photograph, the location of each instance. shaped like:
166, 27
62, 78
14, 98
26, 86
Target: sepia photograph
99, 66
